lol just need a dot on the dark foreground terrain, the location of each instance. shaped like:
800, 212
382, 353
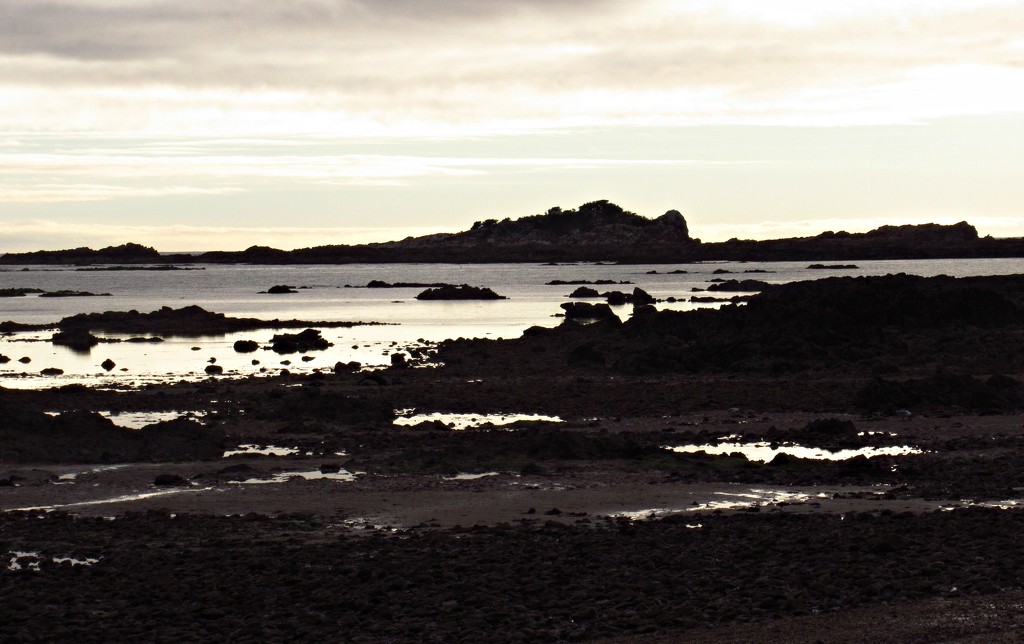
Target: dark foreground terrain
583, 530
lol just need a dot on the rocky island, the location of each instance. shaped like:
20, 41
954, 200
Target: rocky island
595, 231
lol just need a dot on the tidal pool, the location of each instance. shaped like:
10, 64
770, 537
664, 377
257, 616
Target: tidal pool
764, 452
465, 421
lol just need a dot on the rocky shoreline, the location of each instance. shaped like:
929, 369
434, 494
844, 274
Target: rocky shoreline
285, 507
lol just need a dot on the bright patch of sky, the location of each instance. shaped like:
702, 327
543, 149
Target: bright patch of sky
191, 125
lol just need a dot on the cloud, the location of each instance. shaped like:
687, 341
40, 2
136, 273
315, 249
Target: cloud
346, 66
191, 167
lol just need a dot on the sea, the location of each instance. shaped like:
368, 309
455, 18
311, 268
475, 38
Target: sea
332, 293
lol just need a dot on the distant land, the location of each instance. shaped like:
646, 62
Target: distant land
596, 231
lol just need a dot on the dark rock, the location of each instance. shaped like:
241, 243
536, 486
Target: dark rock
246, 346
588, 311
170, 480
462, 292
616, 298
281, 289
381, 284
739, 285
308, 340
398, 360
52, 371
214, 369
73, 294
641, 297
108, 364
77, 339
25, 360
584, 291
18, 292
346, 367
4, 359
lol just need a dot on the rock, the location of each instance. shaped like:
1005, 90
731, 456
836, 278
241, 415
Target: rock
616, 298
346, 367
587, 311
170, 480
52, 371
25, 360
308, 340
641, 297
246, 346
739, 285
78, 339
108, 364
584, 291
4, 359
329, 468
398, 360
214, 369
308, 358
462, 292
280, 289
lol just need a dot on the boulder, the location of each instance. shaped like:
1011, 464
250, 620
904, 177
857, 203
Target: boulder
52, 371
246, 346
170, 480
587, 311
108, 364
76, 339
214, 369
641, 297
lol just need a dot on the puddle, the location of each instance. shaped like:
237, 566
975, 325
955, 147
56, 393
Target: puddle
117, 499
465, 421
1007, 504
763, 452
262, 450
757, 496
21, 560
310, 475
139, 419
469, 477
70, 477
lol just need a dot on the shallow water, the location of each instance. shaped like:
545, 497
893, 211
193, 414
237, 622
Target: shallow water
763, 452
465, 421
234, 290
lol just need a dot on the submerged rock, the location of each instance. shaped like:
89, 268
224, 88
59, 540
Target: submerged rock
108, 364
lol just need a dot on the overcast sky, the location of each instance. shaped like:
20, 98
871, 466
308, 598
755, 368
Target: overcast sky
201, 124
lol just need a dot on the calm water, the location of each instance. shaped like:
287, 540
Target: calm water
234, 290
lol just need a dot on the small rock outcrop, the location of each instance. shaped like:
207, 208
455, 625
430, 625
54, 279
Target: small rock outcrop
281, 289
308, 340
462, 292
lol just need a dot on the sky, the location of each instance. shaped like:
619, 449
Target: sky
194, 125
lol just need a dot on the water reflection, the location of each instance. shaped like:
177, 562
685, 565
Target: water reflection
465, 421
764, 452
